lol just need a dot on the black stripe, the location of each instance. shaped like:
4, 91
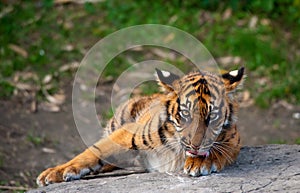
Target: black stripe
203, 101
178, 119
233, 135
149, 126
207, 121
187, 87
145, 142
122, 115
100, 163
159, 122
230, 112
228, 125
192, 92
137, 106
172, 108
205, 108
172, 122
221, 105
196, 102
162, 136
198, 99
214, 88
133, 144
223, 137
149, 135
167, 107
191, 77
94, 146
197, 89
133, 111
112, 125
202, 81
213, 97
203, 112
206, 90
178, 103
91, 169
149, 123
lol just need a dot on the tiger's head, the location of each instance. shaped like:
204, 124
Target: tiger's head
200, 105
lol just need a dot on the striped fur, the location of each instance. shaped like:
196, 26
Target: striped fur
190, 126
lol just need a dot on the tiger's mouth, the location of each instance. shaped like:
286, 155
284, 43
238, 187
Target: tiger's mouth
197, 153
194, 152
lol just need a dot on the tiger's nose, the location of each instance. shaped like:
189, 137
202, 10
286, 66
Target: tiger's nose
195, 147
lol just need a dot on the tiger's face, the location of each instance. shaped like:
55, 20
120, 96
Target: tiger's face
201, 107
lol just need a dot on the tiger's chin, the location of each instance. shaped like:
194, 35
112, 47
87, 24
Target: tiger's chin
197, 153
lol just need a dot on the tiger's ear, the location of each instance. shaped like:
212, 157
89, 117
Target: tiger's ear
166, 79
233, 79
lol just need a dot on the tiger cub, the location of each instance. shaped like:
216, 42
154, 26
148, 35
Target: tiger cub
190, 126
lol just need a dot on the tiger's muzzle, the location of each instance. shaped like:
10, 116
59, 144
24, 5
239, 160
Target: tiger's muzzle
194, 151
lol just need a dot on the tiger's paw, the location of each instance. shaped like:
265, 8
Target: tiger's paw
201, 166
62, 173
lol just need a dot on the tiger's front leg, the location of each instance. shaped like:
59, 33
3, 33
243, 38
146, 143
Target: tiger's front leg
224, 152
91, 159
81, 165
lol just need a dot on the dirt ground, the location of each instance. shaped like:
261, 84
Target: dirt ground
31, 142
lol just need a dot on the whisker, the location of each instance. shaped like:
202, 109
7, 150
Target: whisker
227, 145
174, 144
230, 159
216, 155
224, 152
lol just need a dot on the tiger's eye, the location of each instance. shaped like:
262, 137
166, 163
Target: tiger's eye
185, 113
213, 116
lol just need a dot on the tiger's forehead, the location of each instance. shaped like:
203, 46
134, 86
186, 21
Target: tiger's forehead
196, 79
195, 76
202, 88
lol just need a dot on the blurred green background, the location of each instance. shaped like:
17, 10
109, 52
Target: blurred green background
41, 36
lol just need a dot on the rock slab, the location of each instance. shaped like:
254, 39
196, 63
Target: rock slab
271, 168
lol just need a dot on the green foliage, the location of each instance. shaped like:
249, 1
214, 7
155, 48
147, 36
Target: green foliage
6, 89
34, 139
1, 163
90, 8
261, 47
47, 3
284, 10
108, 114
149, 88
116, 67
43, 29
277, 141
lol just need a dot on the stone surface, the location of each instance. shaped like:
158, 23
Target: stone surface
258, 169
